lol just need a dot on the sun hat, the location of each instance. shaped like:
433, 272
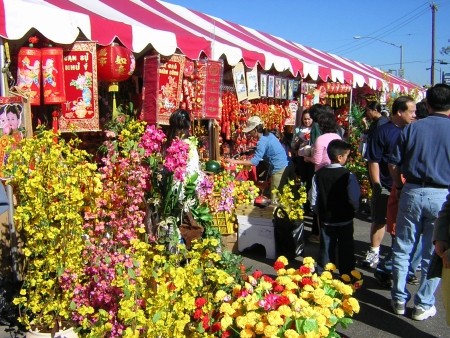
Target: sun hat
252, 123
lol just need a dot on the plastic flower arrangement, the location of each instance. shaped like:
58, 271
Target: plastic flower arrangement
297, 303
138, 279
291, 199
55, 185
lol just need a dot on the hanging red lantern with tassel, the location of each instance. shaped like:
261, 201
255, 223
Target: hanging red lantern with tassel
53, 75
114, 64
29, 71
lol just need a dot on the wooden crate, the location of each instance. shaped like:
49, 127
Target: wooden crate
225, 221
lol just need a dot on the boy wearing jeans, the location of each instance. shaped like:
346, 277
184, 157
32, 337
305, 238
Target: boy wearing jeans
334, 198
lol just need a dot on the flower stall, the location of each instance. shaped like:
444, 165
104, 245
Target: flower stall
107, 253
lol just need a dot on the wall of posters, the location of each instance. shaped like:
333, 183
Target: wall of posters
80, 111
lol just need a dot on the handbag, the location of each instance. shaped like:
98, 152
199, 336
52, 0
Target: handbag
435, 267
289, 235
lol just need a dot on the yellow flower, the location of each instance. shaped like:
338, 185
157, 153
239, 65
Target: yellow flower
270, 331
330, 267
226, 321
345, 278
246, 333
292, 334
308, 260
356, 274
283, 260
274, 318
326, 275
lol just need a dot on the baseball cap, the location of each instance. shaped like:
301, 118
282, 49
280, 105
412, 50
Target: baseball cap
252, 123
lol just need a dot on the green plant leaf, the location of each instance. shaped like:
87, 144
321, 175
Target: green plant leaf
345, 322
131, 273
156, 317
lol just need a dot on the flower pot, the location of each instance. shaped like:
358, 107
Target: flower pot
69, 333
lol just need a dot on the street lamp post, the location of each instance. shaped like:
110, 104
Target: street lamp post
400, 71
441, 72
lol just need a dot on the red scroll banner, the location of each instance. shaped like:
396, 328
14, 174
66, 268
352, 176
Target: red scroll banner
162, 87
213, 90
80, 110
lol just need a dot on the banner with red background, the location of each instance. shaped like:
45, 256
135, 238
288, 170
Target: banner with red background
210, 73
162, 87
80, 111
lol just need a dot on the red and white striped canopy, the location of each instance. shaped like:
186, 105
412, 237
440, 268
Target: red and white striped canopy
167, 27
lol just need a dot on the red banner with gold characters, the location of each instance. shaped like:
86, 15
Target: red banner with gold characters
162, 87
213, 90
80, 110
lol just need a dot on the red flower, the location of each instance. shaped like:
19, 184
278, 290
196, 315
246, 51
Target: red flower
278, 265
306, 281
199, 302
278, 288
257, 274
268, 279
283, 300
226, 334
205, 322
304, 270
215, 327
198, 313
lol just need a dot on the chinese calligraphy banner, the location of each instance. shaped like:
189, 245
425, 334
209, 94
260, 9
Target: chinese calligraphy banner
80, 111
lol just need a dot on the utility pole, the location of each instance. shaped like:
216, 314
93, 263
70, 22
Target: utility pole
433, 28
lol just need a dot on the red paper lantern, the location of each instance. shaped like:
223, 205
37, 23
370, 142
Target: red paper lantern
115, 63
53, 75
29, 73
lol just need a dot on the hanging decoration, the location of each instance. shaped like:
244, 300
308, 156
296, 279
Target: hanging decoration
80, 110
115, 64
162, 90
53, 75
29, 71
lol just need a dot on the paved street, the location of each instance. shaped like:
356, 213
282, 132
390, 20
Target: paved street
375, 318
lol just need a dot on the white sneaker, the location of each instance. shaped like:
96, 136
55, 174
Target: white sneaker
372, 259
398, 307
420, 313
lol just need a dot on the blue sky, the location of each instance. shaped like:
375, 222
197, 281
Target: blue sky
330, 25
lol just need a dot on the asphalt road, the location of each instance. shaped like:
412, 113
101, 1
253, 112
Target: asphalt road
375, 318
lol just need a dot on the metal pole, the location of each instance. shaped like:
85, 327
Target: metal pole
2, 65
401, 72
433, 30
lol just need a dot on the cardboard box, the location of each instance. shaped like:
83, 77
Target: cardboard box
230, 243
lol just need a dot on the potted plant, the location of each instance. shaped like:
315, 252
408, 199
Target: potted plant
54, 184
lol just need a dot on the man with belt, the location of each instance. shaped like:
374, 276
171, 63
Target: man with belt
422, 155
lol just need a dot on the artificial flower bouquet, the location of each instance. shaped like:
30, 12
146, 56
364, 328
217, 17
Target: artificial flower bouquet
54, 184
291, 198
297, 303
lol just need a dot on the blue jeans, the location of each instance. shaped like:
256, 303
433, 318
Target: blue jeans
385, 265
417, 211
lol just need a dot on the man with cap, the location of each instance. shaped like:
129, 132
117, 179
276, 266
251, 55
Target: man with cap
270, 149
